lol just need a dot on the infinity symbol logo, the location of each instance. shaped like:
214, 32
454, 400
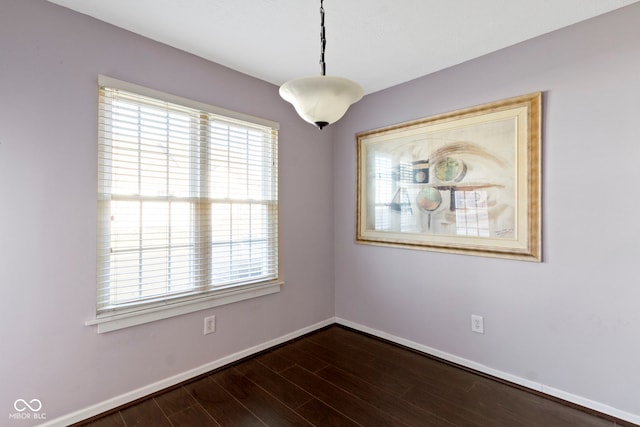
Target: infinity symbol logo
21, 405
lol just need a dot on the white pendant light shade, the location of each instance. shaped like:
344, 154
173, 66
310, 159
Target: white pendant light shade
321, 100
324, 99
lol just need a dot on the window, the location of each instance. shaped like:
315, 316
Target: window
187, 206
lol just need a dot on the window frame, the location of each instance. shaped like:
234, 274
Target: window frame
169, 306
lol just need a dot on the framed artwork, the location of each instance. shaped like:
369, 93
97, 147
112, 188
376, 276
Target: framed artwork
464, 182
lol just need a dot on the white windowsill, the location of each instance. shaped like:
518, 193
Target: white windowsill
120, 320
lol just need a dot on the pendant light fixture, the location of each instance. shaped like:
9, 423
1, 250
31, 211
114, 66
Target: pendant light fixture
321, 100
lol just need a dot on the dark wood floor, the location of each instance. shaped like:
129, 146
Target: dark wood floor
338, 377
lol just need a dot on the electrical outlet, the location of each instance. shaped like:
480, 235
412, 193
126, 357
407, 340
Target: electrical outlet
209, 325
477, 323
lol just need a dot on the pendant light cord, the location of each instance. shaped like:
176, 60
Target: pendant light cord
323, 40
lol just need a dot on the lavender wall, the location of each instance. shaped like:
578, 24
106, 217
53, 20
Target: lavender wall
572, 322
50, 58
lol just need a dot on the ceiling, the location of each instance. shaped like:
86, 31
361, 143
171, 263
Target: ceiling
376, 43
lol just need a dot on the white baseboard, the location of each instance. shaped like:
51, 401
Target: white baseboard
578, 400
123, 399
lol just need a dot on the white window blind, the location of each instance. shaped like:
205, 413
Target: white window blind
187, 201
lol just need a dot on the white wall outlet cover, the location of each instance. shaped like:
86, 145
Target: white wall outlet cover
209, 325
477, 323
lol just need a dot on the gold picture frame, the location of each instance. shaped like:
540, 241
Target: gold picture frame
465, 182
